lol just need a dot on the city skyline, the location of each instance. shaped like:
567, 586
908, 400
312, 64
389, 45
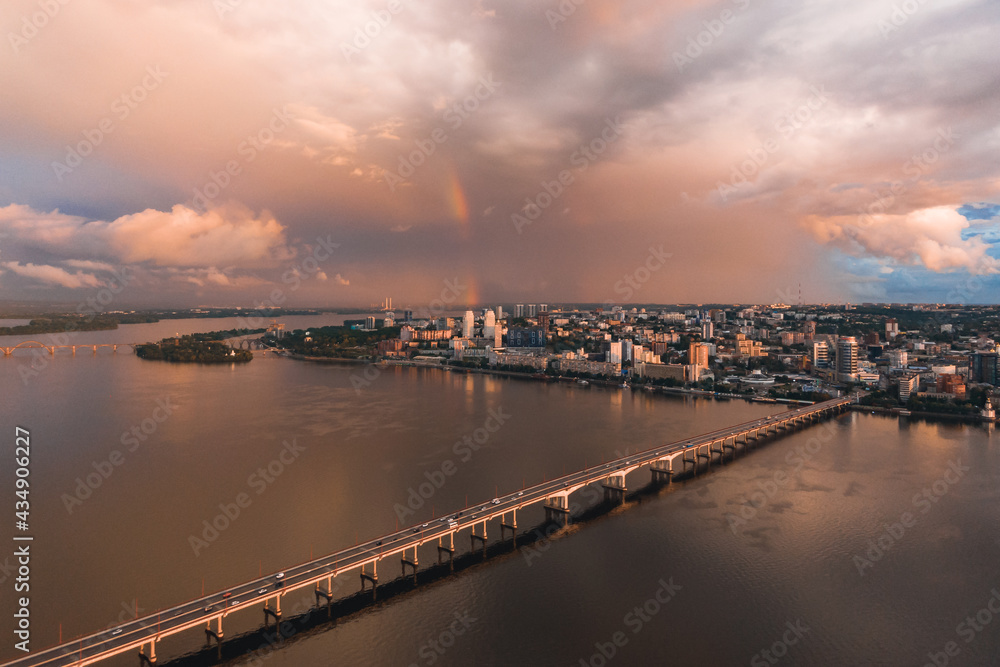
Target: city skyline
724, 152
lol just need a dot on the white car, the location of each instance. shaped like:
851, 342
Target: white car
495, 501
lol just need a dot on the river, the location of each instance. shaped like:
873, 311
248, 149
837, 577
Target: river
865, 540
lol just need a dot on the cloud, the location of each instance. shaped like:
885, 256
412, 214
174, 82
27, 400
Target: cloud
341, 280
180, 237
931, 238
89, 265
53, 275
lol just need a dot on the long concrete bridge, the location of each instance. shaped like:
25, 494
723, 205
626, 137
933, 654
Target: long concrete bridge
51, 349
237, 343
208, 612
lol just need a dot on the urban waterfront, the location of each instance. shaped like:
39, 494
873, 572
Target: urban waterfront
820, 547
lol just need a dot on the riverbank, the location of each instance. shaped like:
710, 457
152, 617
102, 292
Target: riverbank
928, 416
324, 360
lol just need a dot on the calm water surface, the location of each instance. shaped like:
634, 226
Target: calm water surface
806, 532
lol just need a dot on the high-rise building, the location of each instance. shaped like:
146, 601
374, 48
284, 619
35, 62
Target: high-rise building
891, 329
489, 324
468, 322
898, 359
407, 315
809, 327
532, 310
821, 354
847, 358
983, 367
370, 322
614, 353
543, 320
698, 354
626, 351
908, 384
543, 307
499, 312
707, 330
519, 310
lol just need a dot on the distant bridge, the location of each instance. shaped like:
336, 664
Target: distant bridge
243, 344
51, 349
208, 612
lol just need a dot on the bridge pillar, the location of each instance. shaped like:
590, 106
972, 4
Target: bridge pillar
147, 659
557, 509
512, 526
276, 612
372, 577
614, 488
217, 633
404, 561
482, 538
450, 550
326, 595
660, 473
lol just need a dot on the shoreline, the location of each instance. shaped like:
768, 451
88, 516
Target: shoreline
675, 391
929, 416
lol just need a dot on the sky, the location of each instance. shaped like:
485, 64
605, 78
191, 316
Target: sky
335, 153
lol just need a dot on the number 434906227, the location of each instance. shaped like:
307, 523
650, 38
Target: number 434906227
22, 462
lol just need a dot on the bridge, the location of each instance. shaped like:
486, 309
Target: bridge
239, 344
208, 612
51, 349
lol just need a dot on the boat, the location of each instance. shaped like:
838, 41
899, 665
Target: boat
582, 382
